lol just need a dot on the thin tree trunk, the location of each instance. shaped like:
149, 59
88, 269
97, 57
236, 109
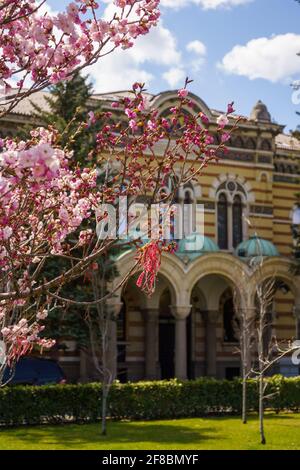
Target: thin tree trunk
261, 409
104, 382
244, 405
244, 365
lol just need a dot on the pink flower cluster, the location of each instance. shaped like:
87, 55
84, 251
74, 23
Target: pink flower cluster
143, 129
41, 161
85, 237
21, 337
48, 48
42, 200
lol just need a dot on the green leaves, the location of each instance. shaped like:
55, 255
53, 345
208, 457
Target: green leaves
141, 401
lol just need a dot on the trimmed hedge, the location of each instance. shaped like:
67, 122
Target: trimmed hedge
142, 400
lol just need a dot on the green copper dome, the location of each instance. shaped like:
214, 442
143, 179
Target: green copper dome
256, 246
194, 245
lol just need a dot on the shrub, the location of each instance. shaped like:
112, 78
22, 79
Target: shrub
143, 400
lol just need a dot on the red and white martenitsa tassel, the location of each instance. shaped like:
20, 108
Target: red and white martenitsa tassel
149, 260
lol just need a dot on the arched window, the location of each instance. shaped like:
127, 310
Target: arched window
188, 200
231, 209
266, 145
237, 221
223, 222
281, 168
251, 144
188, 197
239, 142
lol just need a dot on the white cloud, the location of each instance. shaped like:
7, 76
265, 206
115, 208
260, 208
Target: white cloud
197, 47
158, 46
119, 70
206, 4
273, 58
191, 65
175, 76
199, 50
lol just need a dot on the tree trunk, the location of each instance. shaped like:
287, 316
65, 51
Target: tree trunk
261, 409
245, 372
244, 405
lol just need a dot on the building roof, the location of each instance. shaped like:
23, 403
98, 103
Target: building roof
287, 142
260, 112
25, 107
194, 245
255, 247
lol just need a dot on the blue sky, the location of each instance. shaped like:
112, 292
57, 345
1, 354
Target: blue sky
200, 38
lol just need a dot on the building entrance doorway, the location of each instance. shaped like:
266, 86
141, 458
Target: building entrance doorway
166, 347
166, 337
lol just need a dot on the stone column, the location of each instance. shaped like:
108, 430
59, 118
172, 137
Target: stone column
151, 342
113, 308
210, 318
180, 313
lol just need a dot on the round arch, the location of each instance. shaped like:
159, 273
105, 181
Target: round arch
171, 270
232, 270
240, 181
279, 268
163, 100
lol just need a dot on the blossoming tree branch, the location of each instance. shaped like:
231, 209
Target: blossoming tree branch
48, 203
41, 49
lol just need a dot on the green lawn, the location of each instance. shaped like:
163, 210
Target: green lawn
283, 432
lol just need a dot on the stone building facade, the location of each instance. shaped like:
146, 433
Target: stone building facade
185, 329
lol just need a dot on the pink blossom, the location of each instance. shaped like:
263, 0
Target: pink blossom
209, 140
23, 322
5, 332
183, 93
222, 121
42, 315
6, 233
39, 171
85, 237
92, 118
230, 108
72, 10
204, 118
27, 159
151, 125
133, 124
225, 137
130, 113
